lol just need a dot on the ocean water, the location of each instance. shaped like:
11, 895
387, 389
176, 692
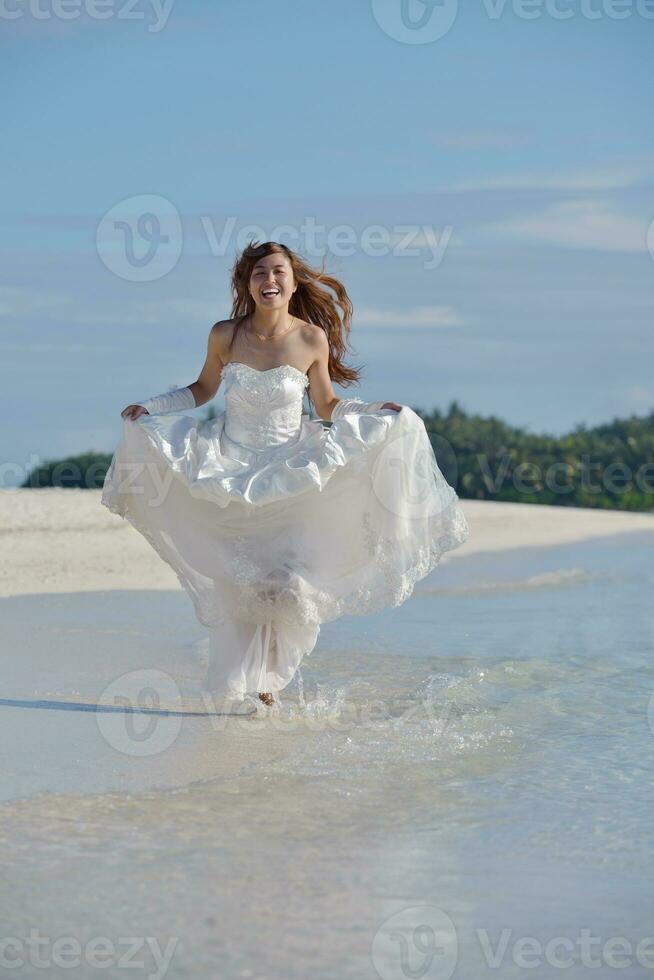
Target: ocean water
459, 787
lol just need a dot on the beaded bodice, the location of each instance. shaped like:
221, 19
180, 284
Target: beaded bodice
263, 408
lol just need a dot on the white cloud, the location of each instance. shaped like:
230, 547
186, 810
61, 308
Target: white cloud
578, 224
607, 178
419, 316
481, 139
177, 311
35, 348
639, 399
19, 301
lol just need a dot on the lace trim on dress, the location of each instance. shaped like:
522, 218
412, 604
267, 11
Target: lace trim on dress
266, 382
285, 596
282, 600
386, 552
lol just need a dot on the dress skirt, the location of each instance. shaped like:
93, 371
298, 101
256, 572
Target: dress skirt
270, 543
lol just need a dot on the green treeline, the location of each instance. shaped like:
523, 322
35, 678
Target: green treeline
607, 466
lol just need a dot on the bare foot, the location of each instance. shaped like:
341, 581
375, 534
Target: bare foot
267, 698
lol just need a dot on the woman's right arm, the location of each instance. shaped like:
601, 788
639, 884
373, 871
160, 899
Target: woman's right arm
205, 388
202, 390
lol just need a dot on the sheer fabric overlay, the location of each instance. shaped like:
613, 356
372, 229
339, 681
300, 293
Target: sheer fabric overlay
275, 523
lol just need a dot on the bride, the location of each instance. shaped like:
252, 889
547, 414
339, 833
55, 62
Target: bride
275, 522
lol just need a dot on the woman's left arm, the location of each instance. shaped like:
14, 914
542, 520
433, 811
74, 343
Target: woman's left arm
328, 405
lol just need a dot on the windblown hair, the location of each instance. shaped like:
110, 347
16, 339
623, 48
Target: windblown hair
310, 302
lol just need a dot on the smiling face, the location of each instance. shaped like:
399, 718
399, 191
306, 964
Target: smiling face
272, 282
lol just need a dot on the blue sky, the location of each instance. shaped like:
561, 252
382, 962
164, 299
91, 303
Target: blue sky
505, 166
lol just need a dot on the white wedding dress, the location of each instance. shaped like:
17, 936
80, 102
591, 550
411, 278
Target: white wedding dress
275, 523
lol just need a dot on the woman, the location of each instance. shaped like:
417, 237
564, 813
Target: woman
275, 522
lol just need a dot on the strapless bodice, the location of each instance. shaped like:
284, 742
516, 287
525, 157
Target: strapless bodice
263, 408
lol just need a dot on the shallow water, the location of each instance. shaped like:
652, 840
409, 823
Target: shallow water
465, 776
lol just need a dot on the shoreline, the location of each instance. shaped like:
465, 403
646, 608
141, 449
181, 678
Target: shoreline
68, 653
59, 541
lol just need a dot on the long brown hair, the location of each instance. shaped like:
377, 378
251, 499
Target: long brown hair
309, 302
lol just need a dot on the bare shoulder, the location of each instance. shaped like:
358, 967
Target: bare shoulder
315, 339
220, 338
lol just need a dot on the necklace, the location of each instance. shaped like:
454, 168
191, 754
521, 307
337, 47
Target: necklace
274, 336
